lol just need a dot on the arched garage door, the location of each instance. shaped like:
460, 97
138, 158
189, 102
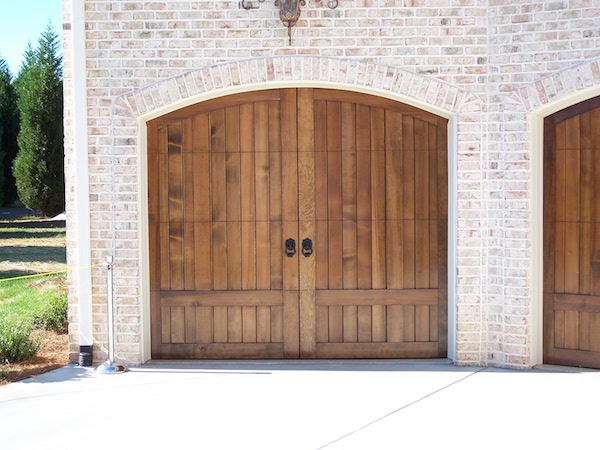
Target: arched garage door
298, 223
572, 236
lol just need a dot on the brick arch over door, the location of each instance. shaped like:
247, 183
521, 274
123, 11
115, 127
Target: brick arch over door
293, 223
189, 88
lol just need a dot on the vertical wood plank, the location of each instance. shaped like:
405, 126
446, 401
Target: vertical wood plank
559, 257
363, 197
572, 169
188, 169
262, 160
571, 264
365, 323
234, 324
307, 229
335, 254
163, 176
433, 323
275, 201
559, 329
585, 257
321, 195
395, 323
218, 187
394, 199
203, 252
437, 141
177, 325
322, 327
335, 317
378, 199
204, 325
408, 166
202, 187
277, 243
276, 321
291, 325
434, 254
247, 205
190, 325
349, 196
350, 320
154, 248
220, 326
422, 323
289, 196
248, 254
408, 254
234, 255
560, 172
176, 267
409, 323
334, 195
263, 255
175, 172
219, 255
422, 253
275, 171
189, 256
584, 331
249, 324
263, 324
165, 331
163, 238
572, 329
421, 169
233, 196
379, 323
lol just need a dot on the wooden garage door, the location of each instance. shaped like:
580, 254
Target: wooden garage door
572, 236
298, 223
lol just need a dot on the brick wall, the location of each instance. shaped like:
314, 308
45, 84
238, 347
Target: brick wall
485, 63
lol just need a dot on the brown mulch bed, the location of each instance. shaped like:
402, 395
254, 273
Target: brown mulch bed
53, 353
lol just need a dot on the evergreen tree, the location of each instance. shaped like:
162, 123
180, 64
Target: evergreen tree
9, 128
38, 168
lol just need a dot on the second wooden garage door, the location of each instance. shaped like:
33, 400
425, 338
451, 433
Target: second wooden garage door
298, 223
572, 236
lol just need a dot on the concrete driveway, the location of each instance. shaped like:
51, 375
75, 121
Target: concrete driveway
302, 405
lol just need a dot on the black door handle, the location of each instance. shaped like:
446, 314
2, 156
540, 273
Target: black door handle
307, 248
290, 248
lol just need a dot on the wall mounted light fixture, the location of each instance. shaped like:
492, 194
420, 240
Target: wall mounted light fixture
289, 10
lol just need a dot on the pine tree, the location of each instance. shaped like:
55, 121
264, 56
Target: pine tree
38, 168
9, 128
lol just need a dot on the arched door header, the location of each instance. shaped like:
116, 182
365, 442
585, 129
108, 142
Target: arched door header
167, 95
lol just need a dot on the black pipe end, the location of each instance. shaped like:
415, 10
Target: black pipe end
85, 355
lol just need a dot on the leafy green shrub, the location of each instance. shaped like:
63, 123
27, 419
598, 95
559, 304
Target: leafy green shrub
16, 342
54, 316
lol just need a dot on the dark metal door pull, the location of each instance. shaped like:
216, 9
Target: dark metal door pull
290, 248
307, 248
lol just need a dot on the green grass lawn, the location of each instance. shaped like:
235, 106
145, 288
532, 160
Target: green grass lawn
28, 247
31, 247
25, 300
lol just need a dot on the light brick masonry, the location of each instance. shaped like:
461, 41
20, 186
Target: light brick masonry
491, 66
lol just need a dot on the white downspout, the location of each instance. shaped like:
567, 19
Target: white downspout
81, 191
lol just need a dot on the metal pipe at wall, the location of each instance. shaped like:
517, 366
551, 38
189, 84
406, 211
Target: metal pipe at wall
110, 306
